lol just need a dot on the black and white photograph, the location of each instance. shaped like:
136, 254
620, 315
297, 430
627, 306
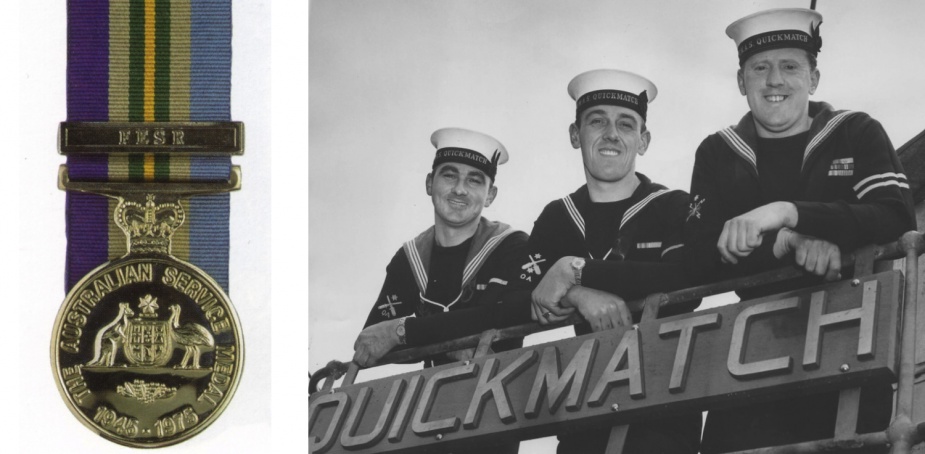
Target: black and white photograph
482, 165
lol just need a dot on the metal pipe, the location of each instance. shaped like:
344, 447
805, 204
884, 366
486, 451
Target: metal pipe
418, 353
899, 437
902, 432
883, 252
912, 243
471, 341
857, 443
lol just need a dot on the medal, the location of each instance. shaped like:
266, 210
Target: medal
147, 349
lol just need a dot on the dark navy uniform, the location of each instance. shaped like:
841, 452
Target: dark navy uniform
425, 279
848, 187
633, 248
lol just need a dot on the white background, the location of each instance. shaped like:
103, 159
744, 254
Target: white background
385, 74
268, 265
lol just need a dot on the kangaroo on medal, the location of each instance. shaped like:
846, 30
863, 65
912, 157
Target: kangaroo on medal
110, 338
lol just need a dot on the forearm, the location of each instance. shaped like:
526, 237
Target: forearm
514, 310
632, 280
702, 260
853, 225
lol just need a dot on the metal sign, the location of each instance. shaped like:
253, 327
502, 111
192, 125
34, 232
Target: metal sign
834, 336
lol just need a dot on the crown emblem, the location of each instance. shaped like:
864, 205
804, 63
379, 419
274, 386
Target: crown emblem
149, 226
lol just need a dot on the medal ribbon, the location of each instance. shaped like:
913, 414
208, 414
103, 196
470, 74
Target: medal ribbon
144, 61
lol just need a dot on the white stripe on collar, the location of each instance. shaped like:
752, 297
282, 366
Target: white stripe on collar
573, 212
483, 254
579, 222
627, 216
631, 212
420, 274
824, 134
417, 267
739, 146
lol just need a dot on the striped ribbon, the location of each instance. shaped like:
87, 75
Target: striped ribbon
148, 60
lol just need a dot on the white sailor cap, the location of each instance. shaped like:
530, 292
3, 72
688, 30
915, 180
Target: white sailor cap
612, 87
776, 29
468, 147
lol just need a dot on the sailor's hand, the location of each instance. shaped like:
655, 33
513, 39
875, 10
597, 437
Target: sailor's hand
550, 291
551, 315
815, 255
374, 342
743, 234
602, 310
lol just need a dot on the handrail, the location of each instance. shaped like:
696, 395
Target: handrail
901, 435
337, 369
889, 251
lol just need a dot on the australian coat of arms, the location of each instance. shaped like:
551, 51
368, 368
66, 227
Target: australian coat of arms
147, 341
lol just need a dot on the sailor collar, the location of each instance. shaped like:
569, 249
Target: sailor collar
743, 137
488, 235
645, 193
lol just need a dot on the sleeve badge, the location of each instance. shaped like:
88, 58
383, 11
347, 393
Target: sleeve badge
532, 267
388, 309
695, 206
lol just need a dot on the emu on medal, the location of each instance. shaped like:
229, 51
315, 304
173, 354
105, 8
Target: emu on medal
193, 337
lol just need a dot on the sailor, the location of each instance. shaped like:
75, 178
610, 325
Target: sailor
792, 182
462, 261
615, 239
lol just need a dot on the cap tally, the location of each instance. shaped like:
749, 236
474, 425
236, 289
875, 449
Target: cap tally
612, 87
468, 147
776, 29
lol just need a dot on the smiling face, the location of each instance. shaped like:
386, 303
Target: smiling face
459, 192
777, 84
610, 137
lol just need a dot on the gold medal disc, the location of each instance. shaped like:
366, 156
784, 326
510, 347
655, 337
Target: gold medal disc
147, 350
